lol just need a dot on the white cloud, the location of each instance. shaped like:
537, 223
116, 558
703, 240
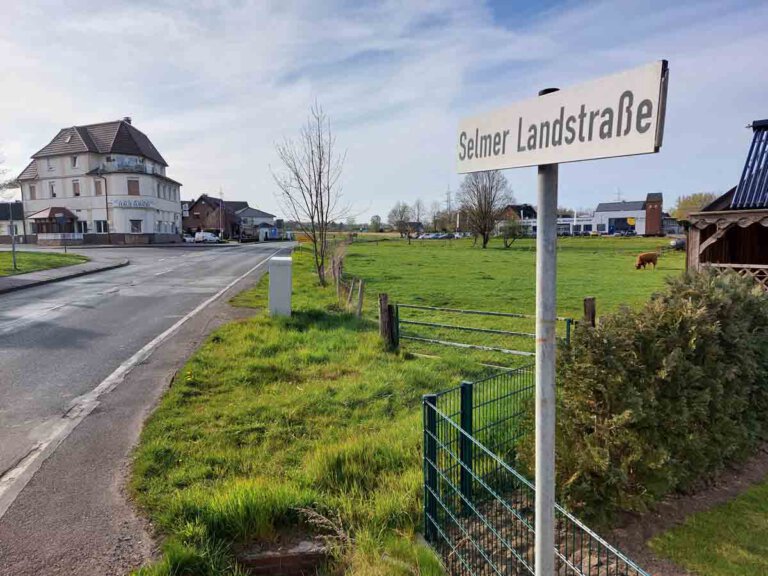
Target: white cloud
215, 84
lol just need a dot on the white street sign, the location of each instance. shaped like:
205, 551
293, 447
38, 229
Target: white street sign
617, 115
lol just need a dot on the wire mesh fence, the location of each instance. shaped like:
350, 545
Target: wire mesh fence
478, 510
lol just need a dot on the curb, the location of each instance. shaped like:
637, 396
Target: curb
35, 283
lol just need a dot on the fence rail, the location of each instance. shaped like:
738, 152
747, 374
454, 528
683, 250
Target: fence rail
478, 510
441, 332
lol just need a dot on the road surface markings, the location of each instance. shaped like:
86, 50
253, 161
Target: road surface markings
13, 480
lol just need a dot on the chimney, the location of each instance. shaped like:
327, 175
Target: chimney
127, 119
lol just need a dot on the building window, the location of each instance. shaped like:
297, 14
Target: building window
49, 163
97, 187
75, 188
74, 161
101, 226
135, 226
32, 192
133, 188
52, 189
81, 227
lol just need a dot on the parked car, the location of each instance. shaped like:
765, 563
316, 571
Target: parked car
188, 239
206, 237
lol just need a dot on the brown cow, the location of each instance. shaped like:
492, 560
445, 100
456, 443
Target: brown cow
646, 258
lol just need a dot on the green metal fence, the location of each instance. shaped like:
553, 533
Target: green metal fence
478, 510
424, 326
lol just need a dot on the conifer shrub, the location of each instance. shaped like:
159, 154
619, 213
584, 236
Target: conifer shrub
659, 399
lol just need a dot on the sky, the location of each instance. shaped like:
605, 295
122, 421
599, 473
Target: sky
216, 84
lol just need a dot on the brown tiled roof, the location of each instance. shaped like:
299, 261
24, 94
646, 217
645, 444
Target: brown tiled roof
30, 172
118, 137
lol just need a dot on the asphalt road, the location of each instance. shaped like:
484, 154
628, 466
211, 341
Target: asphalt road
69, 408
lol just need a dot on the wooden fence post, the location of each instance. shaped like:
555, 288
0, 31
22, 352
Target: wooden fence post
384, 325
360, 298
590, 311
349, 294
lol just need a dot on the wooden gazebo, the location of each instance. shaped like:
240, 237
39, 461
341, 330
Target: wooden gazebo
731, 233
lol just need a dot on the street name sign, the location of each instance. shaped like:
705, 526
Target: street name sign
618, 115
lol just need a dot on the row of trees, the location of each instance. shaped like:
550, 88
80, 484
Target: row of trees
482, 198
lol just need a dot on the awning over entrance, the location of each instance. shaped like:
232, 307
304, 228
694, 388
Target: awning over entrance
53, 213
53, 220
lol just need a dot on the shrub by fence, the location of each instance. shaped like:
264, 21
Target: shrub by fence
479, 512
657, 400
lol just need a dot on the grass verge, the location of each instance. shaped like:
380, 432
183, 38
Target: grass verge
728, 540
35, 261
274, 415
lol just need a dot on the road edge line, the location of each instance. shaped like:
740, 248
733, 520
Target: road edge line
14, 480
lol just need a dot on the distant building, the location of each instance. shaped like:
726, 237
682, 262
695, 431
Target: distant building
519, 212
641, 216
212, 214
100, 183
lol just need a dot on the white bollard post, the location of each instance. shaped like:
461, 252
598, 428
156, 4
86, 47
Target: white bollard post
280, 286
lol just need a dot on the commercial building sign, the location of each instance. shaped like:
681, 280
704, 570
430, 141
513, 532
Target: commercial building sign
131, 203
619, 115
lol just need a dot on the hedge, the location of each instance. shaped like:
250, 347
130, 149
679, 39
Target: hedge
660, 399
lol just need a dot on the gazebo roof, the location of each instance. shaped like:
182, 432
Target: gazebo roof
752, 191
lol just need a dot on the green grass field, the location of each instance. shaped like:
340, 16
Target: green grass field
34, 261
271, 416
729, 540
454, 274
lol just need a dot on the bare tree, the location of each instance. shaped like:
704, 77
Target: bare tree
419, 210
483, 196
399, 217
434, 214
309, 187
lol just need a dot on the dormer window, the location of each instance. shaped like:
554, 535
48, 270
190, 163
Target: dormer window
68, 139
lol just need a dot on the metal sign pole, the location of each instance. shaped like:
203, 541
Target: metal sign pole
546, 276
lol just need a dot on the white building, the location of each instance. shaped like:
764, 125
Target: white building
643, 217
100, 183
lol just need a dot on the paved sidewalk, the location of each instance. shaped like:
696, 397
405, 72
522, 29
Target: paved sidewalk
21, 281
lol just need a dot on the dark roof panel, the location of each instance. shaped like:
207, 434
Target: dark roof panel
623, 206
118, 137
654, 197
67, 141
249, 212
752, 191
235, 205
